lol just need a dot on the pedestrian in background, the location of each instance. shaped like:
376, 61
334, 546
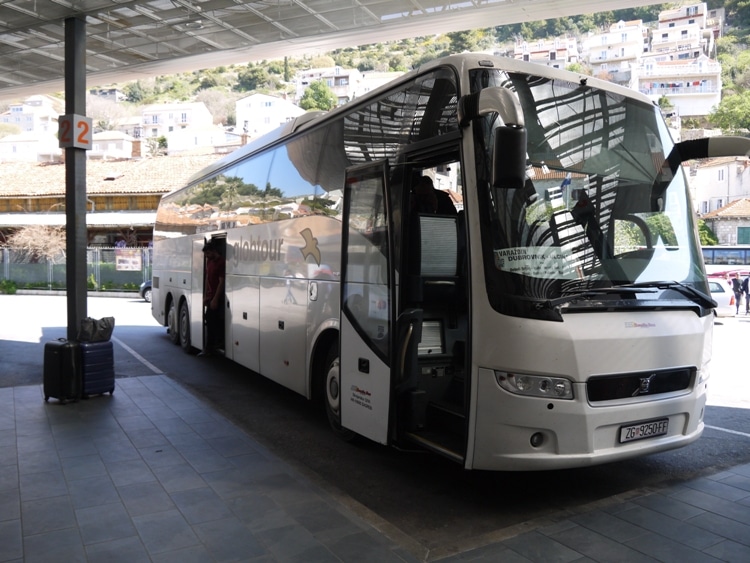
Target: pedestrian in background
737, 289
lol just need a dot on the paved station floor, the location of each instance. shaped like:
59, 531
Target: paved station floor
152, 473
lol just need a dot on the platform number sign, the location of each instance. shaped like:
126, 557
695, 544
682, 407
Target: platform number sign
74, 131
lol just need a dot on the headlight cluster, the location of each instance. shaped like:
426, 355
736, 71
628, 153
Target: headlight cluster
535, 385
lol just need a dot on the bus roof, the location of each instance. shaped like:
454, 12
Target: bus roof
462, 63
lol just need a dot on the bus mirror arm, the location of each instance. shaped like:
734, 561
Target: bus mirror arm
710, 147
509, 150
491, 100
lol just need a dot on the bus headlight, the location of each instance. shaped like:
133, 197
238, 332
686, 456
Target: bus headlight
535, 385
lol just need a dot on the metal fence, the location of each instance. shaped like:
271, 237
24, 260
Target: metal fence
106, 269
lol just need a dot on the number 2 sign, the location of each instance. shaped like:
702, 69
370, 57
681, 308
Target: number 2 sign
74, 131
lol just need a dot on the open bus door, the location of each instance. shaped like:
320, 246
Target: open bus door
366, 341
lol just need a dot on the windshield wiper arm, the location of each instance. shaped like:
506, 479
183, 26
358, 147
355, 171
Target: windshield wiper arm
587, 294
695, 295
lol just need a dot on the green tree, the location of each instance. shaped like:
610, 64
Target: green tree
707, 236
733, 112
665, 103
740, 10
136, 92
580, 68
469, 40
251, 78
318, 96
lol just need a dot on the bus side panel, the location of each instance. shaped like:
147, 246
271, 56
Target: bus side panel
172, 274
283, 331
243, 323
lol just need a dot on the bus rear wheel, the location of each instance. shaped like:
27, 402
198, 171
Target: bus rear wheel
333, 395
173, 326
185, 328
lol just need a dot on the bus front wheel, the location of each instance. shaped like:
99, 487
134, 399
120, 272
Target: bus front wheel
173, 327
333, 395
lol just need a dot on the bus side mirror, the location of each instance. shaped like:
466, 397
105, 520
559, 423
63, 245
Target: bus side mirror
509, 158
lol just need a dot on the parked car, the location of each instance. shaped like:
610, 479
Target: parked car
145, 291
724, 296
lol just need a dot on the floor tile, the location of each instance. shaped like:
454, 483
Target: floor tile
200, 505
145, 498
47, 515
104, 522
165, 531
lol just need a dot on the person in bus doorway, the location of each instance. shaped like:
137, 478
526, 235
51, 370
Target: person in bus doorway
746, 291
213, 299
427, 199
737, 289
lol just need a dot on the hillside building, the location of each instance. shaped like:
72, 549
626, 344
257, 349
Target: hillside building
261, 113
158, 120
613, 54
36, 114
347, 84
693, 86
30, 146
716, 182
555, 53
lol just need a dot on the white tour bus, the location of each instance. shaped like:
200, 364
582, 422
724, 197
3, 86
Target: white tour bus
554, 314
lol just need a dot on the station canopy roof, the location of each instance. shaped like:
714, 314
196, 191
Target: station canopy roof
131, 39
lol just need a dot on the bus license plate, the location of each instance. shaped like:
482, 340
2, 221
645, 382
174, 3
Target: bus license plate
644, 430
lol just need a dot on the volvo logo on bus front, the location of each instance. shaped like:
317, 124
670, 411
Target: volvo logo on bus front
644, 387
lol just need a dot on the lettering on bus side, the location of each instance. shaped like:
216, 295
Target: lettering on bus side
257, 250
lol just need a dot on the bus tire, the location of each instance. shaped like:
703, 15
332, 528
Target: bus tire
184, 326
173, 325
332, 395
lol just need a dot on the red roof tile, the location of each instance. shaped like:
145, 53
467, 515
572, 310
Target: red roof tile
738, 209
157, 175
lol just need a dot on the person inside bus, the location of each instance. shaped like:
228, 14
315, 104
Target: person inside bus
427, 199
213, 299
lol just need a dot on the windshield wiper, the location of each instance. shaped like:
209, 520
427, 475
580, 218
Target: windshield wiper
695, 295
589, 293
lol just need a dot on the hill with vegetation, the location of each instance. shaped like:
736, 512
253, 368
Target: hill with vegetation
219, 88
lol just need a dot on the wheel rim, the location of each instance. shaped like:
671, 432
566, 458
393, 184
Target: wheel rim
333, 388
172, 319
184, 325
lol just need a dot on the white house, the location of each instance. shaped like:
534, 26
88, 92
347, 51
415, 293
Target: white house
693, 86
615, 52
688, 14
192, 138
371, 79
260, 113
556, 53
160, 119
716, 182
36, 114
30, 147
687, 41
111, 145
343, 82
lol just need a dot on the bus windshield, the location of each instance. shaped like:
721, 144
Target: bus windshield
600, 208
